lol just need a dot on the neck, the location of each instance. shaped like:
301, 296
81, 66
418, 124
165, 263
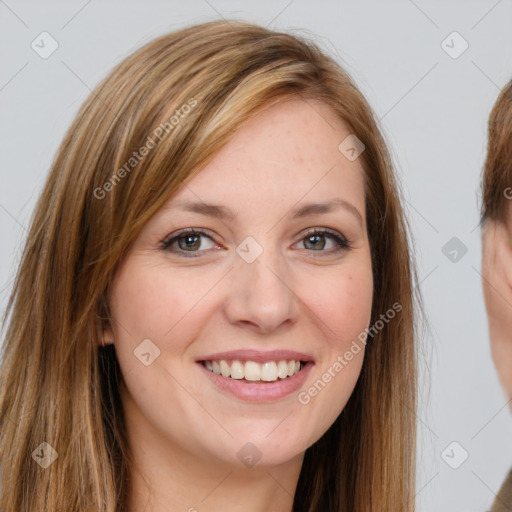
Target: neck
232, 490
166, 476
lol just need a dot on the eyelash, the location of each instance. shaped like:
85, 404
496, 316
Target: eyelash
342, 241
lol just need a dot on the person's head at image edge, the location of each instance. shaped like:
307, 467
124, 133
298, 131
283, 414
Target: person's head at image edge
121, 319
496, 222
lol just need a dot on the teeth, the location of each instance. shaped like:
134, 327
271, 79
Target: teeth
252, 371
270, 371
237, 370
282, 369
224, 368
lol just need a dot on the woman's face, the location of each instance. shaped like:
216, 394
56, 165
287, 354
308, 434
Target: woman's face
253, 294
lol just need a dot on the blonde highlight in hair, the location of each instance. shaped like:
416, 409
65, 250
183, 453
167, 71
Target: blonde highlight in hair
60, 386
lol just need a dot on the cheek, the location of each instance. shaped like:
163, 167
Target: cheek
148, 302
500, 329
498, 296
502, 356
343, 303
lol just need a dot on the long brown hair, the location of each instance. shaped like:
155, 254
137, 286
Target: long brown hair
497, 173
60, 386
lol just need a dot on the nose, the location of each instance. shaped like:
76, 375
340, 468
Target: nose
261, 294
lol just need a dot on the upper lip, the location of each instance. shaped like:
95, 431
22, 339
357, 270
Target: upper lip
258, 356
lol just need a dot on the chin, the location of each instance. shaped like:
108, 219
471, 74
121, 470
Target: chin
249, 451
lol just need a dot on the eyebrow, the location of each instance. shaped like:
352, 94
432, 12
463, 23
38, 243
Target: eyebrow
303, 210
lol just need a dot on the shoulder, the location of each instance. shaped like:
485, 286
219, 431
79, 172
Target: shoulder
503, 501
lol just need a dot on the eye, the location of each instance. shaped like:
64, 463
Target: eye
315, 240
188, 241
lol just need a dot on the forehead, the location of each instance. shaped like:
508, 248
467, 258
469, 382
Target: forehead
286, 154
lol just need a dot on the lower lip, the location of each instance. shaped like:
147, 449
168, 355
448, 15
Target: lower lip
259, 392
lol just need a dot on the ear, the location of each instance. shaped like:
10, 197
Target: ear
107, 337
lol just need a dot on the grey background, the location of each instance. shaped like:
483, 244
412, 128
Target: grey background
433, 110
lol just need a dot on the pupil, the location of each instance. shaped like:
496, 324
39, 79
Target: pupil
313, 237
190, 238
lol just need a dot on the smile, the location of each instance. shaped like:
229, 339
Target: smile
252, 371
257, 376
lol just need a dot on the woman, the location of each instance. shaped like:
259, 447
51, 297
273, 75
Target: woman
496, 222
214, 309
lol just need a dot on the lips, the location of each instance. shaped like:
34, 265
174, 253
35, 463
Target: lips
257, 376
258, 356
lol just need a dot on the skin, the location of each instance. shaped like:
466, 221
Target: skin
184, 432
497, 287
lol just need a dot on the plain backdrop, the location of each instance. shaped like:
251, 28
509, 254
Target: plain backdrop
431, 71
